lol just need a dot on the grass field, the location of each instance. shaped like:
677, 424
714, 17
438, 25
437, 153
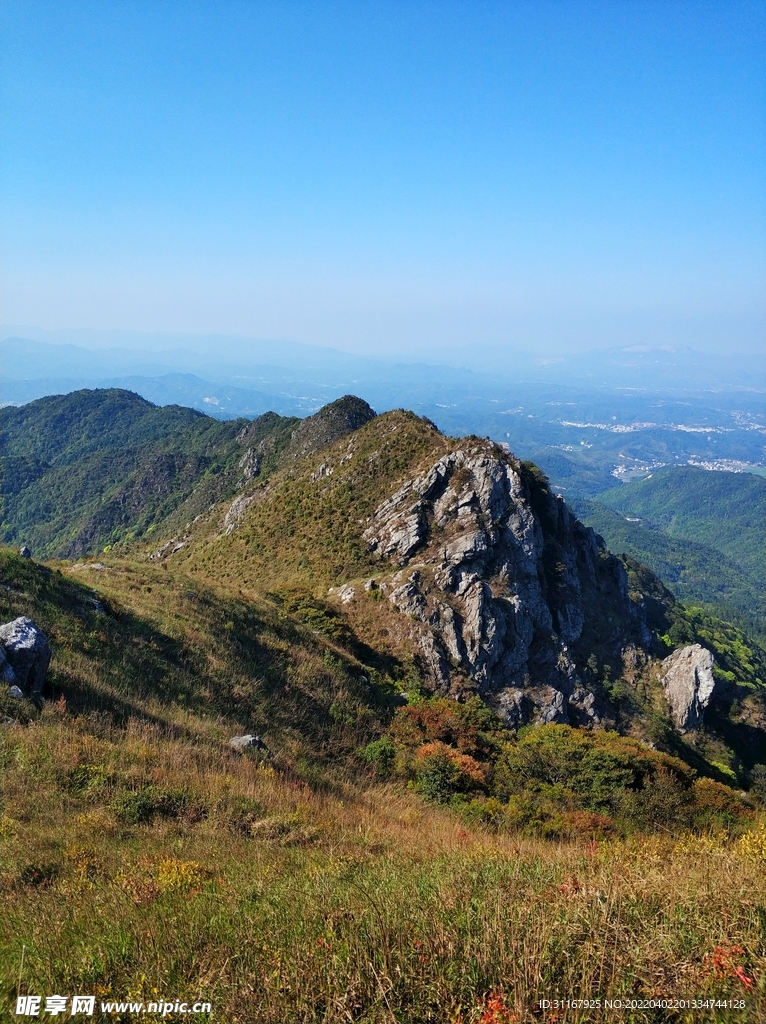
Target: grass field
230, 882
144, 859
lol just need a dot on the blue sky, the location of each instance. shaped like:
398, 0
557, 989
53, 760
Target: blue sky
418, 179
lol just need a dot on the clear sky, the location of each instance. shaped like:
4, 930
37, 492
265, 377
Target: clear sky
407, 178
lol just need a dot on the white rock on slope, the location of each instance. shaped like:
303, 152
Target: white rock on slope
24, 655
689, 684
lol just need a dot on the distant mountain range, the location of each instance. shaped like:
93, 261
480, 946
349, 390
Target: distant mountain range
89, 470
588, 421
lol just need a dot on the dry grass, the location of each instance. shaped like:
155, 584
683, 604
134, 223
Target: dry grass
279, 903
142, 857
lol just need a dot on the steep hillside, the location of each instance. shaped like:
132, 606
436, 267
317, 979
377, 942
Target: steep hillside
360, 574
724, 511
87, 471
696, 573
144, 859
470, 574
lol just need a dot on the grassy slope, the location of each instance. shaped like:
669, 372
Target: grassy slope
299, 891
96, 468
307, 535
143, 858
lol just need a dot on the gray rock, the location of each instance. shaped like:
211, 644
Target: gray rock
231, 520
16, 692
435, 662
6, 669
346, 594
27, 653
250, 464
408, 599
515, 707
551, 706
506, 586
689, 684
25, 552
322, 472
248, 742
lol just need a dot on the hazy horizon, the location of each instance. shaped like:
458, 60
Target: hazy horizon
169, 343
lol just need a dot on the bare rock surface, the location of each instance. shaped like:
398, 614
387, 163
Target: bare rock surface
499, 580
689, 684
249, 742
24, 655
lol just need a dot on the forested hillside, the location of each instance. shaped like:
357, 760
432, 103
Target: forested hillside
85, 471
695, 573
724, 511
702, 532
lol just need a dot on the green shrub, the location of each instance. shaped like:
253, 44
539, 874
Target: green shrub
437, 778
143, 805
380, 755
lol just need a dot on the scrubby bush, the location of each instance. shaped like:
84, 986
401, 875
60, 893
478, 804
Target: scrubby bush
143, 805
380, 755
441, 771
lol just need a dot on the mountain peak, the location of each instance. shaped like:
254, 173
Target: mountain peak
330, 424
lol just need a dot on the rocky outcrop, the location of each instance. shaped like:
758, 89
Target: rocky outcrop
331, 423
501, 583
689, 684
24, 655
250, 465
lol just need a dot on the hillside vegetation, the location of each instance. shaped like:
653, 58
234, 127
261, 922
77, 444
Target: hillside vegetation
723, 511
93, 469
142, 857
696, 573
392, 854
85, 471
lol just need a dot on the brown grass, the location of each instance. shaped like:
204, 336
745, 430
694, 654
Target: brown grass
279, 903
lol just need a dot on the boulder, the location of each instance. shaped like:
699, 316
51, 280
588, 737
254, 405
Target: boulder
6, 670
26, 655
689, 684
248, 742
25, 552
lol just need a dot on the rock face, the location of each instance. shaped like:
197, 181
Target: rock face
24, 655
503, 586
689, 684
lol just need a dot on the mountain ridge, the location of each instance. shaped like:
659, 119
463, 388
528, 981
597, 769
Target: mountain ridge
448, 556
